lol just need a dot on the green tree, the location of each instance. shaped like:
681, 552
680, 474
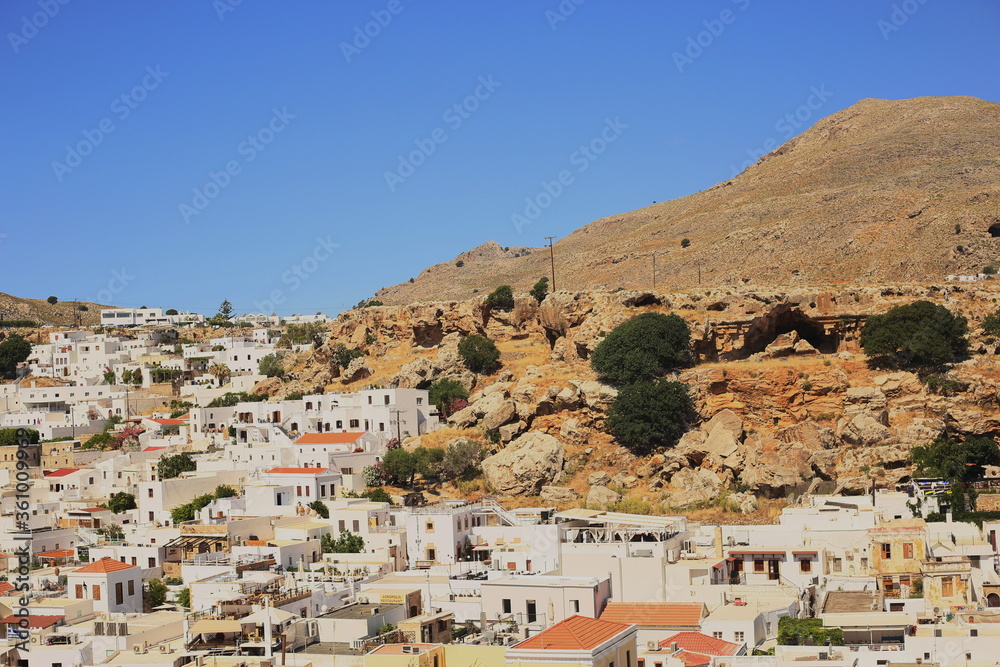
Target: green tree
685, 243
225, 491
11, 437
442, 392
321, 508
807, 631
156, 592
462, 461
377, 494
122, 502
346, 543
109, 377
52, 300
184, 598
540, 289
955, 461
171, 311
220, 372
991, 324
225, 314
272, 365
480, 354
642, 348
428, 460
502, 298
649, 415
916, 334
400, 465
343, 355
300, 334
172, 466
13, 351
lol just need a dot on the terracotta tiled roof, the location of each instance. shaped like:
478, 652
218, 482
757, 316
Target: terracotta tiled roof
697, 642
329, 438
62, 472
298, 471
61, 553
168, 422
656, 614
104, 566
153, 449
6, 586
576, 633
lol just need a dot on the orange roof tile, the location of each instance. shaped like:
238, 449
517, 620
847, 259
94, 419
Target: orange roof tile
104, 566
329, 438
656, 614
62, 472
697, 642
61, 553
6, 586
168, 422
299, 471
576, 633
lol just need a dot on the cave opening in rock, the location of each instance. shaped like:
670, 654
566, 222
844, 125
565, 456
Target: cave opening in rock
994, 230
786, 320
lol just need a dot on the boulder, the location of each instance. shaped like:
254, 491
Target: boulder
863, 398
601, 497
525, 465
625, 480
510, 431
571, 431
694, 485
504, 413
597, 396
356, 370
863, 430
599, 478
810, 434
558, 494
783, 346
803, 347
726, 419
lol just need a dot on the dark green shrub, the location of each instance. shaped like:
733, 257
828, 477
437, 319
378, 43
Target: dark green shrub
917, 334
480, 354
642, 348
540, 289
648, 415
502, 298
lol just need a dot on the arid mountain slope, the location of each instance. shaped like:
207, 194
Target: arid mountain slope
42, 312
882, 192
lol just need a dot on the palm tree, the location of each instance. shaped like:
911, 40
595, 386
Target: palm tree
221, 373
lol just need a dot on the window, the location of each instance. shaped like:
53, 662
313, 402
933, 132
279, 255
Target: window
505, 605
381, 426
738, 636
387, 399
429, 527
947, 587
355, 423
574, 606
758, 565
886, 550
298, 490
79, 591
151, 493
739, 565
628, 658
131, 587
340, 424
836, 564
717, 635
420, 401
97, 592
369, 400
322, 490
357, 526
134, 560
805, 566
341, 525
152, 562
973, 632
907, 550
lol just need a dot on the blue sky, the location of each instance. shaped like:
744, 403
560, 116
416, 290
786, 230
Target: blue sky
178, 153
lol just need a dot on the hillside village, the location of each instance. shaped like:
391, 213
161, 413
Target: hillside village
168, 503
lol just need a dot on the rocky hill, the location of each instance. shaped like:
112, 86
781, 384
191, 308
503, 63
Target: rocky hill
785, 399
41, 311
882, 192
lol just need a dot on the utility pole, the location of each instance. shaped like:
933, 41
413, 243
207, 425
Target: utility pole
552, 261
399, 435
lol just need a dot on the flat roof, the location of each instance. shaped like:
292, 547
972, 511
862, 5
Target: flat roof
359, 610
